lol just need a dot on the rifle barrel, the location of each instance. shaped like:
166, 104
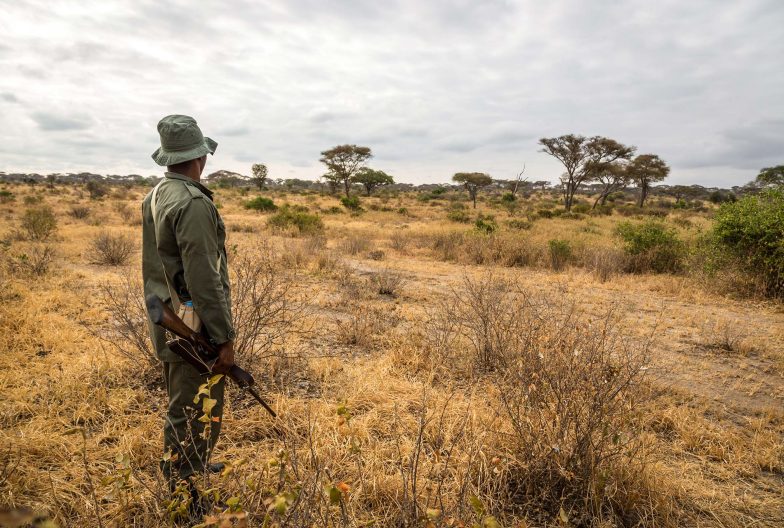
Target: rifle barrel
255, 394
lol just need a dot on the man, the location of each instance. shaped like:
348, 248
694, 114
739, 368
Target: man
184, 263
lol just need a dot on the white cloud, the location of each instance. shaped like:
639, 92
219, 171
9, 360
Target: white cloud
432, 87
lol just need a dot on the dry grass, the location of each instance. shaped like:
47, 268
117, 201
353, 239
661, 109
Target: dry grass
487, 389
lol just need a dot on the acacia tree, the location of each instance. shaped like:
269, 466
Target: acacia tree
343, 162
472, 181
371, 178
259, 174
613, 177
646, 169
579, 155
771, 175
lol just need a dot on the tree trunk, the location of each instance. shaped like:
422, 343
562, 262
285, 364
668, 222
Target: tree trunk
643, 194
345, 184
369, 189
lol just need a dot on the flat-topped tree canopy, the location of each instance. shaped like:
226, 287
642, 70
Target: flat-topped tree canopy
473, 181
343, 162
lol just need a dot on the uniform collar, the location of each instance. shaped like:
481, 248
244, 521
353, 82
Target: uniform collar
202, 188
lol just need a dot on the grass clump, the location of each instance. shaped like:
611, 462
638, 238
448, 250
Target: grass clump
261, 203
289, 218
560, 253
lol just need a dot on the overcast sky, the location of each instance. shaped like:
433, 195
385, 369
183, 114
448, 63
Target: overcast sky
433, 87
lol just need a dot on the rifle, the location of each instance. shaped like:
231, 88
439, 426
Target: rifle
195, 348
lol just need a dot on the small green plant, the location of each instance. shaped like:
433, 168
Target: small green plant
458, 215
653, 246
6, 196
304, 223
352, 203
39, 223
260, 203
402, 211
485, 224
560, 253
508, 197
582, 208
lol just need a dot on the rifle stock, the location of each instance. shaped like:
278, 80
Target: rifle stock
195, 349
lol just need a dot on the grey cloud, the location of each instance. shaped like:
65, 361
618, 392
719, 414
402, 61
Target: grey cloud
234, 131
54, 122
9, 97
430, 86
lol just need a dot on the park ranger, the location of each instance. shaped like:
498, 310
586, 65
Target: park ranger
184, 263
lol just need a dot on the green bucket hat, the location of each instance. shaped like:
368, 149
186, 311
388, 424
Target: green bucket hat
181, 140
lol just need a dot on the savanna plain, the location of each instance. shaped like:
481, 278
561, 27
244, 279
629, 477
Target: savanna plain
431, 365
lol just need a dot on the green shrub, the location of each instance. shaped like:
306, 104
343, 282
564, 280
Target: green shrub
653, 247
333, 210
6, 196
287, 218
96, 189
753, 230
545, 213
508, 197
581, 208
568, 215
458, 215
402, 211
351, 203
32, 199
485, 224
602, 210
260, 203
560, 253
40, 223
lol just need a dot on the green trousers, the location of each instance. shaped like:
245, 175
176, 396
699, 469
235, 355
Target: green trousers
187, 448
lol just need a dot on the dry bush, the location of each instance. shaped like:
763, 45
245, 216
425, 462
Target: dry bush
387, 282
39, 223
266, 307
36, 261
363, 325
399, 242
604, 262
354, 245
571, 395
725, 336
111, 250
129, 215
487, 312
568, 391
80, 212
127, 329
447, 246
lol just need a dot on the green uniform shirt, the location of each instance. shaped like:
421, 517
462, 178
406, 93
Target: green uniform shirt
187, 243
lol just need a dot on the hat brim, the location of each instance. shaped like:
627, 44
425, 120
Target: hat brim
165, 158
